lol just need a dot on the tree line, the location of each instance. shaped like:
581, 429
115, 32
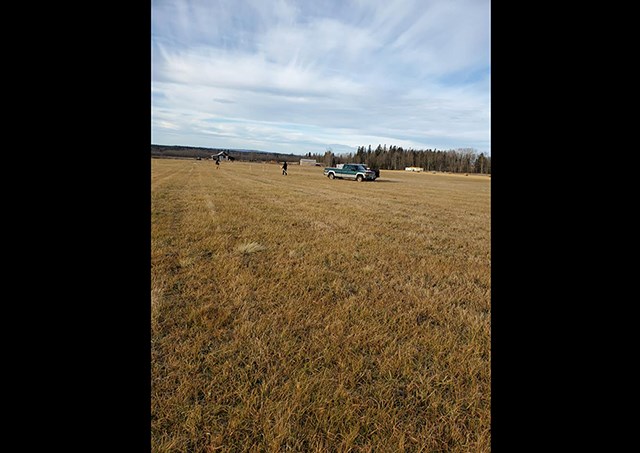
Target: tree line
193, 152
462, 160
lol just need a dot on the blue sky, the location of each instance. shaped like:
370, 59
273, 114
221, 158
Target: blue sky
307, 75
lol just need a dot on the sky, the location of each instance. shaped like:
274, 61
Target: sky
315, 75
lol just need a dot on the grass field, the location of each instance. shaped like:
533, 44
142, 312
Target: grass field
297, 313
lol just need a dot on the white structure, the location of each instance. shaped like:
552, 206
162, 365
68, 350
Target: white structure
310, 162
412, 168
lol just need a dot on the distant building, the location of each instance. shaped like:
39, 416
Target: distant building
412, 168
310, 162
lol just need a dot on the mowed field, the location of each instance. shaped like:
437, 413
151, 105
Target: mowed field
297, 313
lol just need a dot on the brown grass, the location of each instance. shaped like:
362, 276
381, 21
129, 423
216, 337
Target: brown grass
296, 313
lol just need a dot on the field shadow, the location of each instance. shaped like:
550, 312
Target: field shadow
386, 180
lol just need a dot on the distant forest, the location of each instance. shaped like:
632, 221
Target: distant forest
464, 160
204, 153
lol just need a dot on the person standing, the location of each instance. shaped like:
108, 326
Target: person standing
284, 168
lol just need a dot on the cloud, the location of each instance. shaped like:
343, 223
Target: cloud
287, 75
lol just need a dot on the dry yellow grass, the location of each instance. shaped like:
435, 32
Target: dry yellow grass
296, 313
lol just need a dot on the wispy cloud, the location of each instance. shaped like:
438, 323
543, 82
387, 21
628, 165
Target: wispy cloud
299, 76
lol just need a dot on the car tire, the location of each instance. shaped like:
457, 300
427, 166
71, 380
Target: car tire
331, 176
359, 178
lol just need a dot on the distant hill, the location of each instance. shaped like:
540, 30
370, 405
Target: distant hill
190, 152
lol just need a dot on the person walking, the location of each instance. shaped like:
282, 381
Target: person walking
284, 168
